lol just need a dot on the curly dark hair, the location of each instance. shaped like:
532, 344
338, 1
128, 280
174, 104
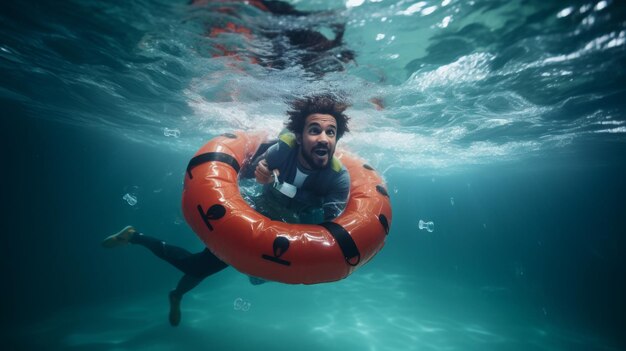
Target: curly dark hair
329, 104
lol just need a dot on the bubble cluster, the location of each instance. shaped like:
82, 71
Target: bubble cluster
429, 226
241, 305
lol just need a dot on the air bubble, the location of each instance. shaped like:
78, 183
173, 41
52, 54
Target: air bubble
171, 132
130, 199
429, 226
131, 195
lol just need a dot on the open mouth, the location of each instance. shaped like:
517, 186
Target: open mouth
321, 152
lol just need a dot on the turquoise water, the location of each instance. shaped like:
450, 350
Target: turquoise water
503, 124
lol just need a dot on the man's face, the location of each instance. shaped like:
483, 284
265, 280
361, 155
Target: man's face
317, 141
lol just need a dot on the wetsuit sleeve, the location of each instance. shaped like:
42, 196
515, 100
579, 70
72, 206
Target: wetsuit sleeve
275, 156
335, 201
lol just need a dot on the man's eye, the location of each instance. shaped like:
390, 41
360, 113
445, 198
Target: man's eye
314, 131
330, 132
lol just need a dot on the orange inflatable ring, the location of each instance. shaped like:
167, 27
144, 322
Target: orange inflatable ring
274, 250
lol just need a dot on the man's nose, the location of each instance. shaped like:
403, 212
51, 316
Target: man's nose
323, 139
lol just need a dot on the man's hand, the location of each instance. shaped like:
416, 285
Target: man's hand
263, 174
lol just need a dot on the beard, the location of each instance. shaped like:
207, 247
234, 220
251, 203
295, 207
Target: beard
314, 160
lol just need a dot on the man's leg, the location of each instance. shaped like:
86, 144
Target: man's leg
196, 267
185, 284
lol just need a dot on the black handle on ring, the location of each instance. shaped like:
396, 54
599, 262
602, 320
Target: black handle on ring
212, 156
345, 241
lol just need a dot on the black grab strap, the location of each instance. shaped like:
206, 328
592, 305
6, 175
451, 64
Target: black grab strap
212, 156
346, 243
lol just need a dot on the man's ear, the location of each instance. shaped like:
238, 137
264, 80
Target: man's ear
299, 138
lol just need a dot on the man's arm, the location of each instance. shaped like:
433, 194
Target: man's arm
272, 159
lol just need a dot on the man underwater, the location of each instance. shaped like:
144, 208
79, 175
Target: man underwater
302, 158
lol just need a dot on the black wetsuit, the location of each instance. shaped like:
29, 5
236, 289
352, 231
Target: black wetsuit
196, 266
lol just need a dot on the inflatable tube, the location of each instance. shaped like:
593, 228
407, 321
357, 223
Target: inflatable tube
274, 250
